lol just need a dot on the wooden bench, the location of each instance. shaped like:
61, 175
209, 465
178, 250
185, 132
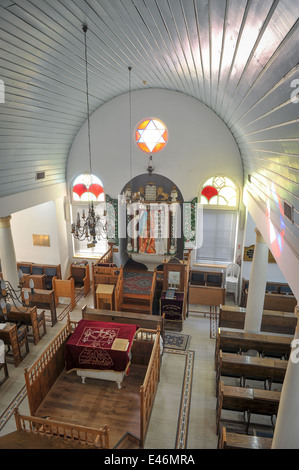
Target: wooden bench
265, 344
280, 302
248, 401
272, 321
80, 272
245, 367
29, 317
9, 336
64, 288
206, 278
150, 322
233, 440
3, 364
272, 288
206, 295
40, 280
43, 299
50, 270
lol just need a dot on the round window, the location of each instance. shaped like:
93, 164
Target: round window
151, 135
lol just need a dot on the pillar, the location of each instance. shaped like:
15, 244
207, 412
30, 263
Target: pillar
286, 433
257, 286
7, 253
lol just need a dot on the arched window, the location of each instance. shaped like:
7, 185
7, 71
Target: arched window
151, 135
220, 198
220, 191
85, 189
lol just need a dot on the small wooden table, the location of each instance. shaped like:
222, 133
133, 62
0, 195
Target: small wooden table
104, 296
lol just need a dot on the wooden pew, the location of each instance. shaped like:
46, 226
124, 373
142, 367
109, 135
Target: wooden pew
9, 336
28, 316
64, 288
206, 295
38, 279
50, 270
80, 272
247, 400
245, 367
272, 321
280, 302
44, 299
233, 440
265, 344
150, 322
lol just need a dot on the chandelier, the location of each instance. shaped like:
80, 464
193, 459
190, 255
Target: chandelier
93, 226
9, 294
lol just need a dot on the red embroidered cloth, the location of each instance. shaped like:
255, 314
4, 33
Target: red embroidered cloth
89, 347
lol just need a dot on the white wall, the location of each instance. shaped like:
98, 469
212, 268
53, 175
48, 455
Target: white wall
199, 143
43, 219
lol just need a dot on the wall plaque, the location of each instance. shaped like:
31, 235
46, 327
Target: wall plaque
41, 240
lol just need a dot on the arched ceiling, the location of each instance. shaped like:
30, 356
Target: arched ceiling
239, 57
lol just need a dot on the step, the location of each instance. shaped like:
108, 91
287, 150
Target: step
128, 441
129, 307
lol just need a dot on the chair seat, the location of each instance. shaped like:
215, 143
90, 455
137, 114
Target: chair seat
231, 280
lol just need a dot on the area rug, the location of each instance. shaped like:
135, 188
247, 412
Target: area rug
183, 420
173, 340
138, 283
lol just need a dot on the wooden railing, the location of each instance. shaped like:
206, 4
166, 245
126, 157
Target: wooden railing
153, 289
40, 377
108, 256
48, 428
149, 387
119, 290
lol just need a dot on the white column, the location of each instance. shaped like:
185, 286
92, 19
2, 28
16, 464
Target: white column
286, 433
7, 253
257, 286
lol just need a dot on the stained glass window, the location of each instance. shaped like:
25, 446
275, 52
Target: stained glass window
220, 191
219, 196
151, 135
86, 188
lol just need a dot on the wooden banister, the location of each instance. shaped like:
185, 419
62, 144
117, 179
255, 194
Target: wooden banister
68, 432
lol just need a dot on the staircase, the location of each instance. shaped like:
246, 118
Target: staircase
128, 441
137, 305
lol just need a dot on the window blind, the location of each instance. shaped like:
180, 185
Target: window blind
219, 234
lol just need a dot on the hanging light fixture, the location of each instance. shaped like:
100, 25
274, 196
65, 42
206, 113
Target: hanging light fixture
9, 294
90, 226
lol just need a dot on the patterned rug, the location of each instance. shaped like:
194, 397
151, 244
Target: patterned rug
138, 283
184, 411
174, 340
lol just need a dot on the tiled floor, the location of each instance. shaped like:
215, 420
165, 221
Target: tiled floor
163, 426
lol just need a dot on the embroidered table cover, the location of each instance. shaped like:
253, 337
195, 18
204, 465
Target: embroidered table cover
172, 308
92, 346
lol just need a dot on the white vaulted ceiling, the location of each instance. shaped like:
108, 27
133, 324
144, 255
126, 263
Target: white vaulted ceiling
239, 57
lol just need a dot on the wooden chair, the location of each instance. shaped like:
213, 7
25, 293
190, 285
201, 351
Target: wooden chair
41, 321
4, 367
23, 340
3, 364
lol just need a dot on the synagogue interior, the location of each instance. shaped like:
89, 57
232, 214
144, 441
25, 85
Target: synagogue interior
149, 224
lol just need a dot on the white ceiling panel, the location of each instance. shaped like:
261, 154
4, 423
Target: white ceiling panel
239, 57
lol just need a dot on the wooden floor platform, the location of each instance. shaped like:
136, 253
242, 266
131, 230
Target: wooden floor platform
97, 403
